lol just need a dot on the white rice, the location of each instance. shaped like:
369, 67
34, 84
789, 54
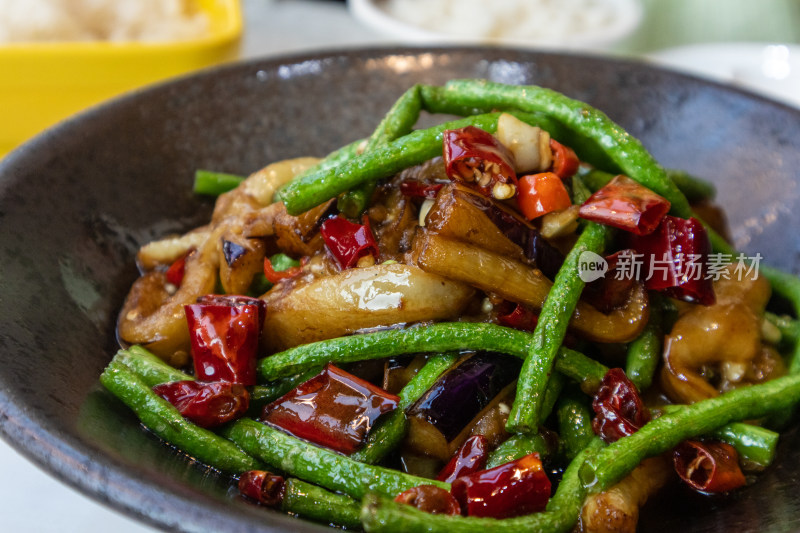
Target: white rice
100, 20
526, 20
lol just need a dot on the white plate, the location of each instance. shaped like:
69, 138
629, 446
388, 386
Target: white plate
770, 69
620, 18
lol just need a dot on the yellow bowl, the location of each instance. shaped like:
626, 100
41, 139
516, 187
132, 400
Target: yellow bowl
43, 83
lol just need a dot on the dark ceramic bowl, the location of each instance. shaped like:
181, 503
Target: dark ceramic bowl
76, 202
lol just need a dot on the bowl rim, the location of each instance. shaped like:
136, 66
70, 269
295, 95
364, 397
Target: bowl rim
112, 484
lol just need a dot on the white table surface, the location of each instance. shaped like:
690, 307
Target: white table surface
30, 500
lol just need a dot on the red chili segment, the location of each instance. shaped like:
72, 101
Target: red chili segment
206, 404
709, 467
542, 193
618, 407
469, 458
675, 256
520, 318
224, 332
347, 241
475, 157
264, 487
418, 189
177, 269
274, 276
513, 489
626, 205
565, 162
334, 409
431, 499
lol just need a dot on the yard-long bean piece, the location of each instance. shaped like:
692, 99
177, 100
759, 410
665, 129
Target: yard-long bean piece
311, 189
317, 465
701, 418
150, 369
399, 121
550, 331
644, 353
388, 433
755, 444
517, 446
695, 189
153, 371
625, 150
384, 515
574, 423
165, 421
315, 503
442, 337
214, 183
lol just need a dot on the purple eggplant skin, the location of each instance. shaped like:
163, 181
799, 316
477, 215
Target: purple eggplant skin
460, 394
536, 249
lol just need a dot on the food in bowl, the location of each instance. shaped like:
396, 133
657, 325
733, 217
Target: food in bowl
417, 334
27, 21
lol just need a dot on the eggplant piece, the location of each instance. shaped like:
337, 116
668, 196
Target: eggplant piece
517, 282
439, 417
462, 215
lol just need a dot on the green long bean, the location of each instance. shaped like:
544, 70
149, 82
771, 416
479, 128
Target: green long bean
701, 418
518, 446
756, 445
388, 433
165, 421
214, 183
315, 503
311, 189
621, 147
550, 331
382, 514
153, 371
442, 337
574, 423
644, 353
399, 121
317, 465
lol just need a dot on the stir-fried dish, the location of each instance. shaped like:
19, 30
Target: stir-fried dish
517, 319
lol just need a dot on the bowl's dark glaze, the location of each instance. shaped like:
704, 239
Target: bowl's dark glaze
77, 201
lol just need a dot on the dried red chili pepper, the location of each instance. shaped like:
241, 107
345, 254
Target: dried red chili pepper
264, 487
520, 318
516, 488
334, 409
626, 205
274, 276
206, 404
177, 269
565, 161
675, 257
469, 458
418, 189
475, 157
618, 408
431, 499
709, 467
224, 331
347, 241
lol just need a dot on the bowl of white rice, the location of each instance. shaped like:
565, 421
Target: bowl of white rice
587, 25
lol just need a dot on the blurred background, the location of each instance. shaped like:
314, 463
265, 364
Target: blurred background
58, 57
